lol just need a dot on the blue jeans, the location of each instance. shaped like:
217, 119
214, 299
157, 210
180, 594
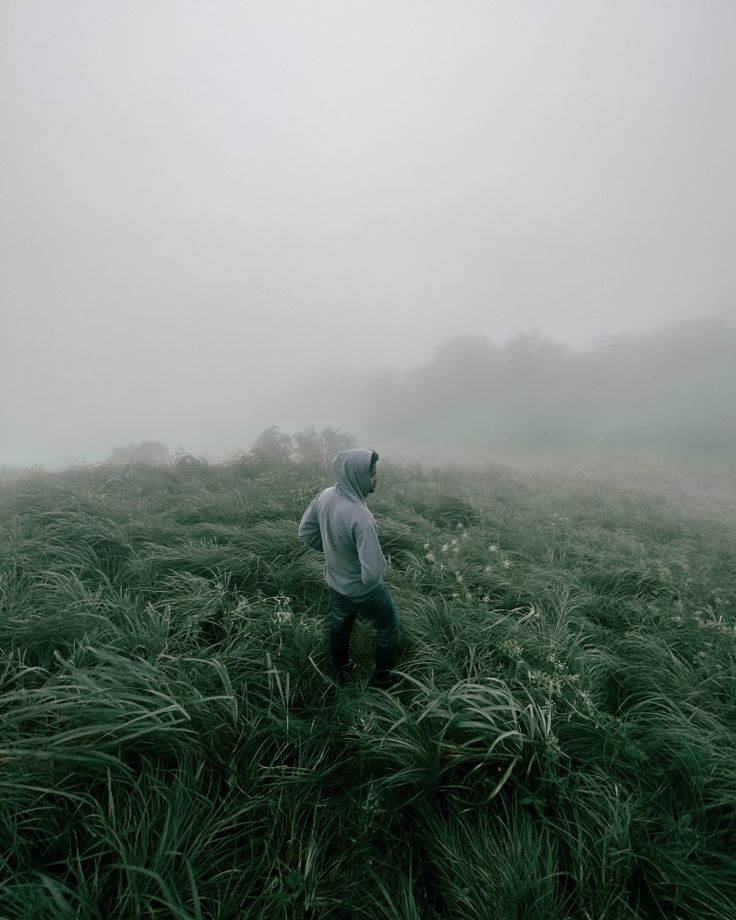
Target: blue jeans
378, 608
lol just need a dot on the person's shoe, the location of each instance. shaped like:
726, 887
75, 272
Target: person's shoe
345, 672
384, 680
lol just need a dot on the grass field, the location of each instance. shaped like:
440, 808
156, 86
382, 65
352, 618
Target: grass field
562, 743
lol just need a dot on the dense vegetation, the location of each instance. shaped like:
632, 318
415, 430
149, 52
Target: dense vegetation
673, 390
561, 744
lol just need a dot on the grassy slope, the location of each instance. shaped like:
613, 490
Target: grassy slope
562, 744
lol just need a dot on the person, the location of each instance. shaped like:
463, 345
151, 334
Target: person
339, 524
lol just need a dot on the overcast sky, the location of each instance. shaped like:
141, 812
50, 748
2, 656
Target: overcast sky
205, 202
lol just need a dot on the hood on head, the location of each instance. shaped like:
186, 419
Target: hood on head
353, 471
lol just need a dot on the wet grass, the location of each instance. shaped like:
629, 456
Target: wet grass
561, 744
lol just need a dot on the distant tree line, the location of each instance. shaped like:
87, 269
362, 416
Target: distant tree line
676, 388
273, 449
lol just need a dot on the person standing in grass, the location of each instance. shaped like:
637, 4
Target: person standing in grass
339, 524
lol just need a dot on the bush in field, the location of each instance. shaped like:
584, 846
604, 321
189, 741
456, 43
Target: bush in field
274, 449
319, 448
150, 453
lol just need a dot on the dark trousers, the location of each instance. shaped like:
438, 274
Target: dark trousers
378, 608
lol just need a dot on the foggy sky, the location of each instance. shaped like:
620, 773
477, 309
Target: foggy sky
202, 204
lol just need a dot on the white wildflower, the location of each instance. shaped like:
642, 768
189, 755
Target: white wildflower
587, 700
512, 648
553, 743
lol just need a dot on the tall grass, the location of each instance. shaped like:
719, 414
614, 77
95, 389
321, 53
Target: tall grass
560, 744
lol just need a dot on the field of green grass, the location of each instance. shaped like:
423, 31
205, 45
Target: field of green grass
561, 744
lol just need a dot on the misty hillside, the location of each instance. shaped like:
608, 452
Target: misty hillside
674, 390
560, 744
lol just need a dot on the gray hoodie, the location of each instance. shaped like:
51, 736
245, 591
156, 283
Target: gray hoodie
339, 524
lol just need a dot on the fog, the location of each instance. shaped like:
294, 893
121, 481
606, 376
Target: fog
491, 224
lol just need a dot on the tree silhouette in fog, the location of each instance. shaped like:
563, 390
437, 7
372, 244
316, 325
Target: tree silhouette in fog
149, 453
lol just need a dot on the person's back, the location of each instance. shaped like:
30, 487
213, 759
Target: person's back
339, 524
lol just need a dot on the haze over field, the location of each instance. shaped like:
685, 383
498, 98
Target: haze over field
219, 217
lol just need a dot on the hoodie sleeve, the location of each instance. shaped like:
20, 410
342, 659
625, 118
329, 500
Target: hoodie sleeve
372, 561
309, 530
